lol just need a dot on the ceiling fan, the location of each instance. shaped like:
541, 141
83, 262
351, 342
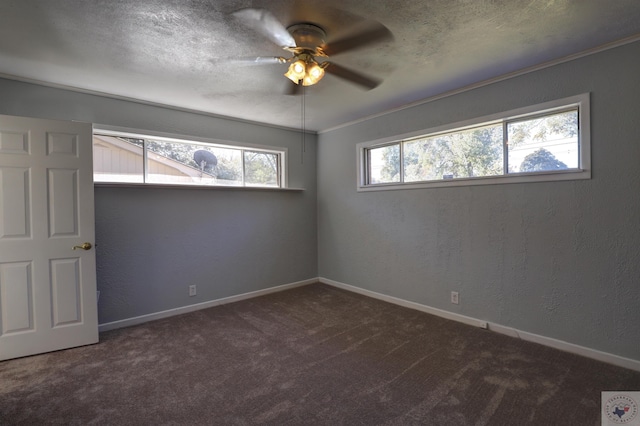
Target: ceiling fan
307, 43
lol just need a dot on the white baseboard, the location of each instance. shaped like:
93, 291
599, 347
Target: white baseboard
397, 301
509, 331
204, 305
629, 363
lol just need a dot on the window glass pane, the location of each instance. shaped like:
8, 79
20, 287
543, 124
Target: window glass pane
169, 162
384, 164
260, 168
463, 154
229, 168
182, 163
544, 144
117, 159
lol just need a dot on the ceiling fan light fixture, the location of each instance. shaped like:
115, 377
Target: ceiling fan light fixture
314, 74
297, 71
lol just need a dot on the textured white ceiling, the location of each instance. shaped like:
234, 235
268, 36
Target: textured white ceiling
176, 52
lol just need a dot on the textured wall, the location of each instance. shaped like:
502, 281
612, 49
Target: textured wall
152, 243
559, 259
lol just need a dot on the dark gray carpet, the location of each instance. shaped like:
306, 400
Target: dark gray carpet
314, 355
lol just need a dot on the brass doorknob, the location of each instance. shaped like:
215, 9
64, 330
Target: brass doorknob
83, 246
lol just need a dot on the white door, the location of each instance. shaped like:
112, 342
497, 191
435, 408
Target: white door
47, 288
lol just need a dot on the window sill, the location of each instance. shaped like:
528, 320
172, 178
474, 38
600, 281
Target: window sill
209, 187
572, 174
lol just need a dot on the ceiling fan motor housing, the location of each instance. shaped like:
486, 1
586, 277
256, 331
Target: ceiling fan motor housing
308, 36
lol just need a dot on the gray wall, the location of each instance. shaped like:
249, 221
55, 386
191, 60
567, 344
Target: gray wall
155, 242
559, 259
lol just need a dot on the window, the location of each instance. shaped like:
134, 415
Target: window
127, 158
539, 143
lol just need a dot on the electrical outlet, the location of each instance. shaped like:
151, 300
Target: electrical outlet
192, 290
454, 298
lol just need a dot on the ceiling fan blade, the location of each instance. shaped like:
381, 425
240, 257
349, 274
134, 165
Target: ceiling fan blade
352, 76
367, 33
263, 21
259, 60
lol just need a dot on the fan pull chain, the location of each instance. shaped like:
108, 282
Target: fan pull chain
303, 124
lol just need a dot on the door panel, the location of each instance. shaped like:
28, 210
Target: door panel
14, 199
63, 203
65, 291
15, 297
47, 289
14, 142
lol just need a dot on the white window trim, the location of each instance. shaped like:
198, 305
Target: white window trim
583, 172
167, 137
